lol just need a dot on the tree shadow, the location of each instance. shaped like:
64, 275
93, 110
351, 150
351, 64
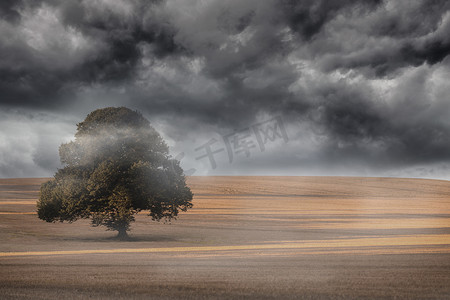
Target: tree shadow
142, 238
114, 238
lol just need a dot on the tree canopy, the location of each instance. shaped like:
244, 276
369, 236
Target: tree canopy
117, 166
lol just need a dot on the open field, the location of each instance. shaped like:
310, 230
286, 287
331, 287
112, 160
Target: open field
260, 237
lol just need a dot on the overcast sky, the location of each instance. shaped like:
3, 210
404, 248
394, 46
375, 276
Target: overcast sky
267, 87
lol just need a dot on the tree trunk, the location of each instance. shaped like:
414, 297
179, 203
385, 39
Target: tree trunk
122, 235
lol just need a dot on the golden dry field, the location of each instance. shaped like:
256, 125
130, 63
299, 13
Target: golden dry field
246, 237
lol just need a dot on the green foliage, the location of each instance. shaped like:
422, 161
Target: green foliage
117, 166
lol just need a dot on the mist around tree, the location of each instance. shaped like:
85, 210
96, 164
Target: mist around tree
117, 166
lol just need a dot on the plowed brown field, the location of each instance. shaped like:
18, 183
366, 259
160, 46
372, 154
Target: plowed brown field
246, 237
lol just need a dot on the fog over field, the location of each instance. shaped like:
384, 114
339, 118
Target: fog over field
271, 87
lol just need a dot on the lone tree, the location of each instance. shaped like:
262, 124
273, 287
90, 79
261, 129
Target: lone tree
117, 166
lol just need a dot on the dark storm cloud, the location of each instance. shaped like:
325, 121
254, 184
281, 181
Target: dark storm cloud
392, 36
46, 75
308, 17
406, 133
8, 10
123, 37
359, 84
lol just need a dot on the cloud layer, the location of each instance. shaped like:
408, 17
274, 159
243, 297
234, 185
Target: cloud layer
361, 86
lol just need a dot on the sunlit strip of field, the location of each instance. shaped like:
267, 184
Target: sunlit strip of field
375, 224
18, 202
21, 191
17, 213
244, 211
416, 240
382, 250
255, 213
18, 199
